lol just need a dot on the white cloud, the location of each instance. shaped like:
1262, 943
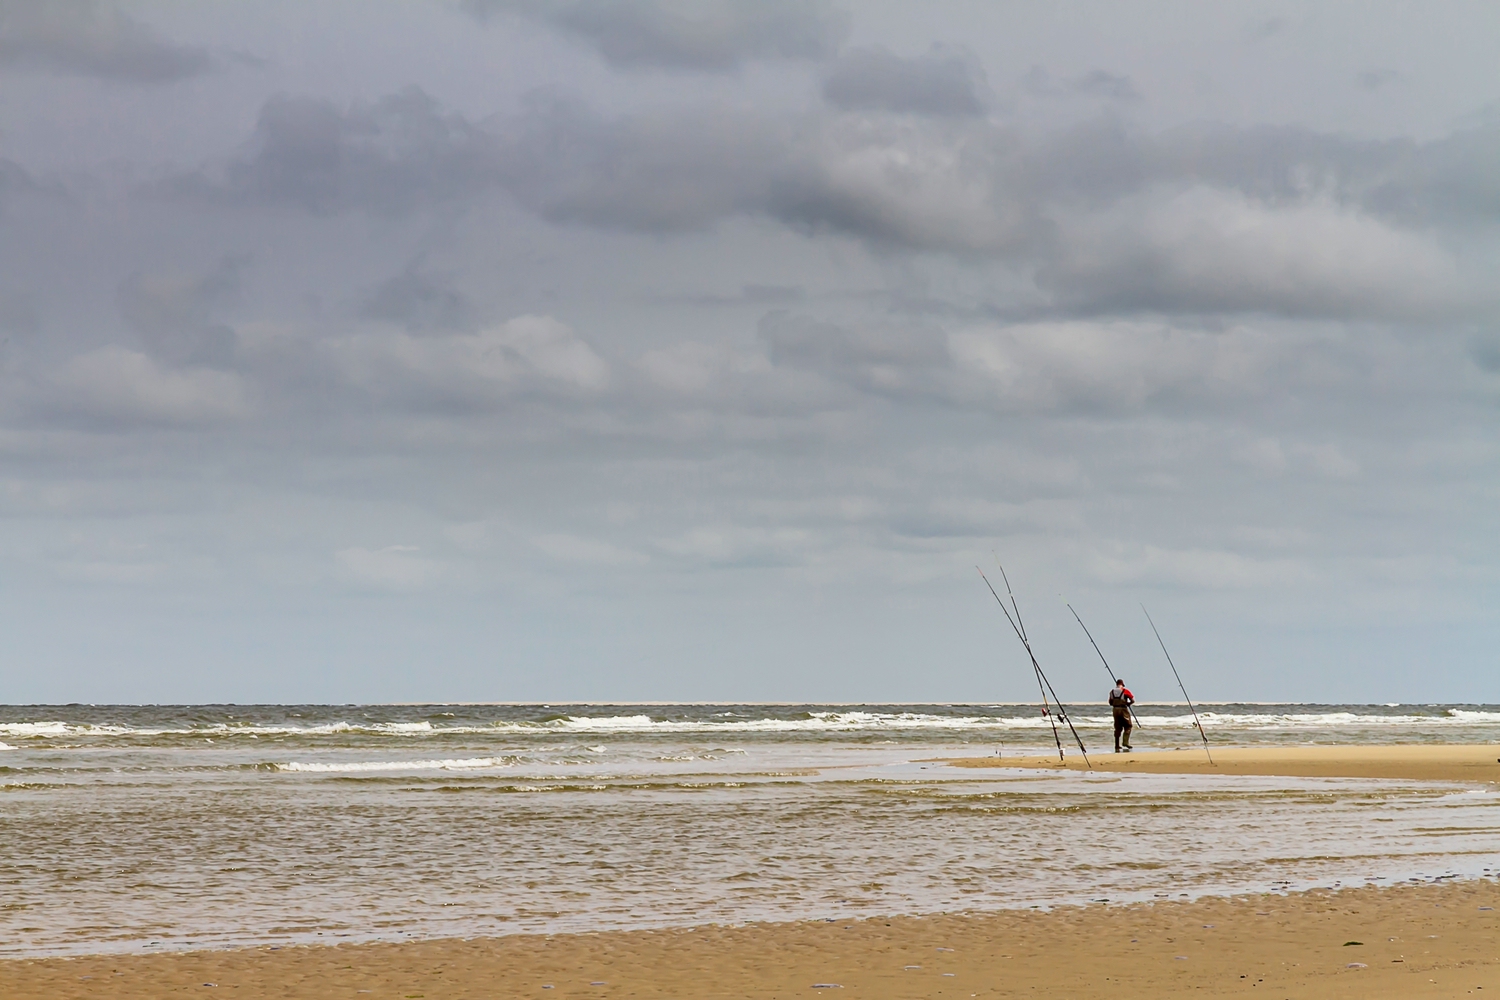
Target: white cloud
1211, 249
1215, 569
124, 386
550, 349
573, 548
529, 352
395, 567
1265, 455
919, 184
1273, 458
692, 368
1103, 366
740, 544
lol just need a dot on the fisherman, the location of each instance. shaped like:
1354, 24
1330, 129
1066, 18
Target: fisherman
1120, 700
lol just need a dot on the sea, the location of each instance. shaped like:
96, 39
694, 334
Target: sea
138, 828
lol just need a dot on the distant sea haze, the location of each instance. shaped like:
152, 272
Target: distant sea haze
128, 828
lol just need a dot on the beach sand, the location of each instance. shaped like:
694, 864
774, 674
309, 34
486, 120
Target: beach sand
1415, 941
1427, 940
1437, 762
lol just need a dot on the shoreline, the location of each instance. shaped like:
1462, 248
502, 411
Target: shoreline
1413, 941
549, 703
1470, 762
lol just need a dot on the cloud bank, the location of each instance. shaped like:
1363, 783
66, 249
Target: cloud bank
677, 350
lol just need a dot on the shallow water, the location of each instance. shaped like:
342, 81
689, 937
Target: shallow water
131, 828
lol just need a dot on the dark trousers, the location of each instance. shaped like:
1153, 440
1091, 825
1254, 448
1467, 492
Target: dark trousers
1122, 725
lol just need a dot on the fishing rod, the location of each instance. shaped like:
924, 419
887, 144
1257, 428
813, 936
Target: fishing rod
1107, 669
1026, 640
1175, 674
1046, 706
1020, 630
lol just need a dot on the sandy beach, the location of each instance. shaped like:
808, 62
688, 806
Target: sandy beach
1471, 762
1413, 941
783, 851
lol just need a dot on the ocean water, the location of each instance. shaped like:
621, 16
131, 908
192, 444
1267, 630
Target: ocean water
138, 828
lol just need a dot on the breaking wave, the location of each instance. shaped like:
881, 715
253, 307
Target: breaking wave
927, 721
351, 767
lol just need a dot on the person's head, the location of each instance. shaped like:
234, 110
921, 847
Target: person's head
1119, 683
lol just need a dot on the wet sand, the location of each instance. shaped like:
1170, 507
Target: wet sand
1414, 941
1472, 762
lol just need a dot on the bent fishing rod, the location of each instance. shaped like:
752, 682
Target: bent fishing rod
1026, 640
1042, 682
1046, 705
1102, 660
1175, 674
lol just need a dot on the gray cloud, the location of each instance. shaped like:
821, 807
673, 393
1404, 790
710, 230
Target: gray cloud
391, 156
93, 38
665, 173
1268, 27
1096, 83
1102, 217
749, 293
14, 181
1103, 84
943, 81
1187, 221
19, 313
535, 358
419, 300
1375, 79
171, 314
925, 184
713, 36
1451, 182
880, 356
1065, 367
1485, 350
116, 390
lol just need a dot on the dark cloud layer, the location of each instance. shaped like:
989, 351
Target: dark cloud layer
1101, 217
712, 36
171, 314
666, 173
391, 156
943, 81
93, 38
419, 300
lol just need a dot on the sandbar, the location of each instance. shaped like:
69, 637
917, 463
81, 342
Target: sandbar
1475, 762
1410, 941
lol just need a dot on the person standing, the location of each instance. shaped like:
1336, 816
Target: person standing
1120, 700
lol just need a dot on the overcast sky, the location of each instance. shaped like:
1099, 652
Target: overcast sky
516, 349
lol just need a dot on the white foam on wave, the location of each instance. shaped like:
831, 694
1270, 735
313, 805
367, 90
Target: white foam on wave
85, 729
6, 746
24, 729
813, 722
1333, 720
849, 721
1467, 716
465, 764
866, 721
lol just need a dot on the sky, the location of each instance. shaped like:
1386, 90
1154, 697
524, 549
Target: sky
514, 350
